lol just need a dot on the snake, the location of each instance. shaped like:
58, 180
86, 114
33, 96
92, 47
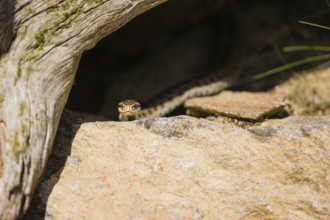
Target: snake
174, 97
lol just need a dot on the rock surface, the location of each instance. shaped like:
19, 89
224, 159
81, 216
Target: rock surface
304, 94
188, 168
308, 94
242, 105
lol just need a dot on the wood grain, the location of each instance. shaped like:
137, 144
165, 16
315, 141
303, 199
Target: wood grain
41, 43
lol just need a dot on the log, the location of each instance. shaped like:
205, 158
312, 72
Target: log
41, 43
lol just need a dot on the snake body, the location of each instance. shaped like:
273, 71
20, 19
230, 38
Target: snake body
131, 109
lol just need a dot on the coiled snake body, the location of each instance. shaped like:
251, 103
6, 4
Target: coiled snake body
131, 109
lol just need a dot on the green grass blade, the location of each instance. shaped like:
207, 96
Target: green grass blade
306, 48
315, 25
291, 65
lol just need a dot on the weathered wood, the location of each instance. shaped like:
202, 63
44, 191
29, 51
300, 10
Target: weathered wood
41, 43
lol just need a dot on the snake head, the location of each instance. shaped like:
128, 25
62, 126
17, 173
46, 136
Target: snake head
128, 110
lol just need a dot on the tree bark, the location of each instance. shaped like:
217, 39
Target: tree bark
41, 43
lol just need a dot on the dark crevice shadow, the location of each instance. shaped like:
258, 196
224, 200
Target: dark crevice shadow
69, 125
7, 17
194, 41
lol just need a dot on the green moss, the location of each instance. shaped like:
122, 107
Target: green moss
18, 148
2, 99
93, 1
69, 13
63, 15
19, 72
40, 38
24, 129
67, 10
30, 10
22, 108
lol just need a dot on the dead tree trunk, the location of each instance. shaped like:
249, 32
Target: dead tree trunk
41, 43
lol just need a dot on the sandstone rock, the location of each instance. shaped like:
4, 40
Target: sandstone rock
188, 168
304, 94
241, 105
308, 94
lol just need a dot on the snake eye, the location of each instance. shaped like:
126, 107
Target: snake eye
137, 106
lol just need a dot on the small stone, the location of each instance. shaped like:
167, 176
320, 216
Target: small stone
238, 105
